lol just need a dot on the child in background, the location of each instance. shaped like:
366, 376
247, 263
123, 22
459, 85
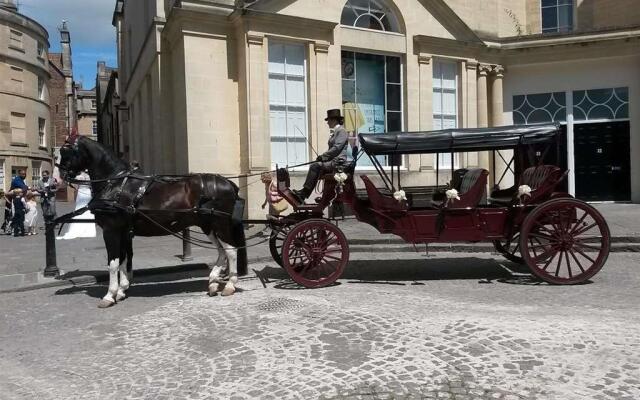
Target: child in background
31, 217
19, 210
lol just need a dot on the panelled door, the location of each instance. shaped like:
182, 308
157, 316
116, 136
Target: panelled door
602, 161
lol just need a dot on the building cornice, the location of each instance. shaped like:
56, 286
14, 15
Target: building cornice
22, 96
37, 68
528, 42
25, 22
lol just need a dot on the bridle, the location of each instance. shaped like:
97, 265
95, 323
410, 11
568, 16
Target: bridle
71, 142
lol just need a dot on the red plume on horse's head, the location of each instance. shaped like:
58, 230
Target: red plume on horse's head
73, 135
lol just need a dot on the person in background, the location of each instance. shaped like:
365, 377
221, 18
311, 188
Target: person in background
31, 217
19, 210
46, 188
18, 181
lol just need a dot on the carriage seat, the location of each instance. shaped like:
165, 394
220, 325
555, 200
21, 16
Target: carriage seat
471, 186
542, 180
381, 201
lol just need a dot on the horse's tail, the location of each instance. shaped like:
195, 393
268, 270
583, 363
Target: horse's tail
239, 240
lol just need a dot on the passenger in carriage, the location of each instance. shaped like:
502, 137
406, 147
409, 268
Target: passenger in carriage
326, 162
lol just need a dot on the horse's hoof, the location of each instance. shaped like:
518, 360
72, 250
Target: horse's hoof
120, 296
106, 303
214, 288
228, 291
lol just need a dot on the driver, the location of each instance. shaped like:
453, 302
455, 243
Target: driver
326, 162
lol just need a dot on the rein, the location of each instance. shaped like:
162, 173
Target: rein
130, 174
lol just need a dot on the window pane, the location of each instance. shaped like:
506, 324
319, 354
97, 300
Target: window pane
437, 101
565, 16
549, 3
448, 122
369, 22
449, 75
278, 122
279, 151
276, 58
295, 91
393, 69
393, 98
296, 126
449, 105
294, 55
348, 91
297, 148
276, 89
561, 2
394, 122
550, 18
348, 65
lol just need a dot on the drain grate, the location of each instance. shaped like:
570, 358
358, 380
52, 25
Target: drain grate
281, 305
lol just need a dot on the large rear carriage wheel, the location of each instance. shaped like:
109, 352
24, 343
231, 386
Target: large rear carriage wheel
315, 253
565, 241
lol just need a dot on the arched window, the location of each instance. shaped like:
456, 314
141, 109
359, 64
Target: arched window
370, 14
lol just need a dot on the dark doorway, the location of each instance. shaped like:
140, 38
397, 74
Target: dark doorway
602, 161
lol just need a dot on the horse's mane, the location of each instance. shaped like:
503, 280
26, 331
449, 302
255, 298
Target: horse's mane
104, 154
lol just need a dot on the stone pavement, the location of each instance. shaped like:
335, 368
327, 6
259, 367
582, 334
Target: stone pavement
396, 326
23, 259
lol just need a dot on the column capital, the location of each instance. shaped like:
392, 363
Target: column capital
472, 65
484, 69
255, 39
498, 71
321, 46
424, 59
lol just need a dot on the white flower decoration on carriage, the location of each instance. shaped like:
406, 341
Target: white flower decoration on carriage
400, 195
452, 194
524, 190
340, 177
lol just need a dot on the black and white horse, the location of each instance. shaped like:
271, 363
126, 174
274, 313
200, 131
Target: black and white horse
127, 204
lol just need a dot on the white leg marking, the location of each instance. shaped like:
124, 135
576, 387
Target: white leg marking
214, 276
109, 298
232, 258
124, 281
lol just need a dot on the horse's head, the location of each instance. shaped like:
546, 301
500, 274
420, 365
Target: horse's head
73, 158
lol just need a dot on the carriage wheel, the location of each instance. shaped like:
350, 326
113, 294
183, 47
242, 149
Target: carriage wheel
510, 248
276, 240
565, 241
315, 253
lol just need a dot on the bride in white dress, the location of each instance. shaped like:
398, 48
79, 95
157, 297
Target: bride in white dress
84, 229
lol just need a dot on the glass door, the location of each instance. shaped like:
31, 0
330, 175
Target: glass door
371, 96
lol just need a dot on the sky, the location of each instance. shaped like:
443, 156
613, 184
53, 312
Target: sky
92, 35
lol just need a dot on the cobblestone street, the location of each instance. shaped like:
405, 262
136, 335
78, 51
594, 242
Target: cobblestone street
397, 326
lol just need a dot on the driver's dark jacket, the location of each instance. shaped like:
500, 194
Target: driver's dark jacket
337, 145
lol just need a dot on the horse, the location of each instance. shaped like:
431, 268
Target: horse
128, 204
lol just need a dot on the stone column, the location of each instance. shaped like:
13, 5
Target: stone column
425, 66
471, 106
320, 104
498, 166
483, 106
258, 123
483, 110
496, 96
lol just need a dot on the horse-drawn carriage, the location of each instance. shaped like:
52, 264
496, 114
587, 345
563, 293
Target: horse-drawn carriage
561, 239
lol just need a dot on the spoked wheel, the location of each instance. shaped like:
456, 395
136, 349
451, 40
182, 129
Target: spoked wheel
315, 253
276, 240
565, 241
510, 248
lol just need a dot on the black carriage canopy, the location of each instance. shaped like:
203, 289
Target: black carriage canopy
458, 140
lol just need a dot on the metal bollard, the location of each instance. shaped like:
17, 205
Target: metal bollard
51, 268
186, 245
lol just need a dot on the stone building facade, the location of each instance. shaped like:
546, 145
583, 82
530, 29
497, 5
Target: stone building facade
87, 112
108, 107
237, 87
25, 119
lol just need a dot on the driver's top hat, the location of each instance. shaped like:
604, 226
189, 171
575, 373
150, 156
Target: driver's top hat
334, 113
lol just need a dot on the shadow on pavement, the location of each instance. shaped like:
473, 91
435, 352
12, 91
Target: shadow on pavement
401, 272
155, 289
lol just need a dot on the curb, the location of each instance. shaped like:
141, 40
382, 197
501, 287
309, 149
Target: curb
619, 245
